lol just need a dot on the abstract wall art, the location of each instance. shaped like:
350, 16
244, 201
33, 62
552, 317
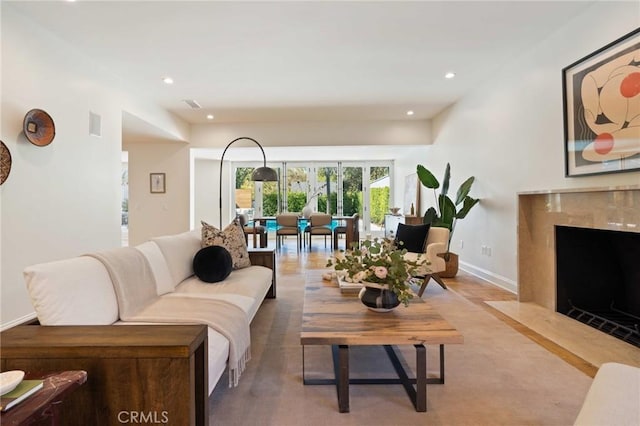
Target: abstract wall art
601, 97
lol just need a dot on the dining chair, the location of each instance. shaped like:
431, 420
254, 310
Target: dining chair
320, 224
287, 224
342, 228
253, 230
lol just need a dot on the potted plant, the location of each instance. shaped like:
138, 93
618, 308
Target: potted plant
447, 212
382, 269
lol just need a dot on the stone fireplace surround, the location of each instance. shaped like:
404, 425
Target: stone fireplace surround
616, 209
611, 208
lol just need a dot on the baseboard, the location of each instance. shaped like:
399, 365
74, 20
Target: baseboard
18, 321
495, 279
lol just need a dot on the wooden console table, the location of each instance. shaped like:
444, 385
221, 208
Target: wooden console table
154, 372
265, 257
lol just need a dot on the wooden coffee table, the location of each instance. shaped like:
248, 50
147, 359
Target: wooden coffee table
330, 317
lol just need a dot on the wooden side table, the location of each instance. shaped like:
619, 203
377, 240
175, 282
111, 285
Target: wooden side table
265, 257
45, 404
157, 372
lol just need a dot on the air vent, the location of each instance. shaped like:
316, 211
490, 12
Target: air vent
95, 124
192, 103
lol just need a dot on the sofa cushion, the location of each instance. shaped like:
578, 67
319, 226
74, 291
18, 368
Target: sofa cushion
413, 237
246, 288
178, 251
158, 264
231, 238
76, 291
212, 264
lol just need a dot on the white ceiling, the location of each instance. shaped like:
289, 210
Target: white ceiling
317, 60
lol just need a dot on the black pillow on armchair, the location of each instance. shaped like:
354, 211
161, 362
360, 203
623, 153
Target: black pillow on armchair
414, 237
212, 264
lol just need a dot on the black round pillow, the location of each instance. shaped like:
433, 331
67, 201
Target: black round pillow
212, 264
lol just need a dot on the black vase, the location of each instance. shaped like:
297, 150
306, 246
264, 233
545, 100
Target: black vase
378, 299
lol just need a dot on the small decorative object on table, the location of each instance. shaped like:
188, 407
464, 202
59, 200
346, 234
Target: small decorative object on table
307, 210
383, 271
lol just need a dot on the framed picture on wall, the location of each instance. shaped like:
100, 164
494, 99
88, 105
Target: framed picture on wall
158, 183
601, 99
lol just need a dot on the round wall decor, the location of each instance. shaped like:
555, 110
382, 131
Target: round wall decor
38, 127
5, 162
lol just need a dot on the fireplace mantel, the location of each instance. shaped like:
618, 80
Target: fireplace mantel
612, 208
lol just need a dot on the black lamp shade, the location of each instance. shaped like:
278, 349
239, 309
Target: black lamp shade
264, 174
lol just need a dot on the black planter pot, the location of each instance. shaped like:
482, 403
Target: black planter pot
378, 299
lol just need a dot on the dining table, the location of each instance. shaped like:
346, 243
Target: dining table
350, 235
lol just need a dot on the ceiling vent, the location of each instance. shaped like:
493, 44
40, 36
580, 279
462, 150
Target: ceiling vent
192, 103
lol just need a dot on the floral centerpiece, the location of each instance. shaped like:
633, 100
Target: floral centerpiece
381, 263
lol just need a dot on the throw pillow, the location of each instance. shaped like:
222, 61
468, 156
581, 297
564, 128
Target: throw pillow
231, 238
413, 237
212, 264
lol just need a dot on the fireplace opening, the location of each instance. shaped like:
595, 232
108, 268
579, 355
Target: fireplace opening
598, 279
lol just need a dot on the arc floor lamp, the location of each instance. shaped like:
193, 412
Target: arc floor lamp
260, 174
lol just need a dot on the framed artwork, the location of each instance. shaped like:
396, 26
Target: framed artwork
411, 195
158, 183
601, 99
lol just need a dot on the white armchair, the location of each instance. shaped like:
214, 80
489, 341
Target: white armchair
437, 241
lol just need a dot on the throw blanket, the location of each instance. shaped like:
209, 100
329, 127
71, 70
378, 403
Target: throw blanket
132, 279
224, 317
135, 289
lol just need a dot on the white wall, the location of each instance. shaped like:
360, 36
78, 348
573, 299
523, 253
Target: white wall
153, 215
315, 133
205, 186
64, 199
509, 135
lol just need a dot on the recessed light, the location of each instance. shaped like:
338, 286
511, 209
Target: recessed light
167, 80
450, 75
409, 112
210, 117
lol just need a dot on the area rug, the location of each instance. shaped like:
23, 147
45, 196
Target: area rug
497, 377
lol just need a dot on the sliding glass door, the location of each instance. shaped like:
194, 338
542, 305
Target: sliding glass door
245, 194
326, 184
271, 196
337, 188
296, 187
352, 193
379, 197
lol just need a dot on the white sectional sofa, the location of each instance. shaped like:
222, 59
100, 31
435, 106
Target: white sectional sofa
83, 291
613, 398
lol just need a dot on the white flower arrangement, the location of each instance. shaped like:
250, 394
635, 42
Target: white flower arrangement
378, 261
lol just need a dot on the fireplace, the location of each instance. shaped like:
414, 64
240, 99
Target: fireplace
598, 279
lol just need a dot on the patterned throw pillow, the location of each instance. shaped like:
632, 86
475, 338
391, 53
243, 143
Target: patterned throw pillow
231, 238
